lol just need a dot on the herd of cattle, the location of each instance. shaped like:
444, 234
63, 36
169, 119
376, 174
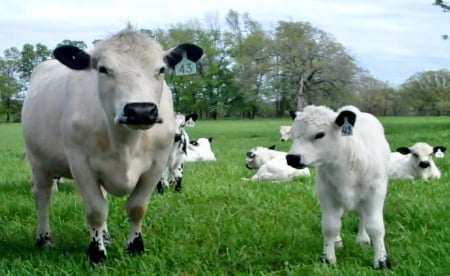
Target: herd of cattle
109, 124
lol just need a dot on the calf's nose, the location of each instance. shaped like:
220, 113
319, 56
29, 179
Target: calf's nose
294, 161
424, 164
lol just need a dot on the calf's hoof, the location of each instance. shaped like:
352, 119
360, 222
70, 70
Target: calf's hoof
383, 264
44, 241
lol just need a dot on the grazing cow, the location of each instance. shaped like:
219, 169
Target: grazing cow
271, 165
351, 156
177, 157
415, 162
200, 150
285, 133
106, 120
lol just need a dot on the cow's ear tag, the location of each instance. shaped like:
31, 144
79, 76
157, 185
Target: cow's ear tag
347, 128
185, 66
439, 154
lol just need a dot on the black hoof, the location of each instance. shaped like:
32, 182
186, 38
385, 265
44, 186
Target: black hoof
323, 259
44, 241
160, 187
385, 264
136, 246
178, 188
95, 255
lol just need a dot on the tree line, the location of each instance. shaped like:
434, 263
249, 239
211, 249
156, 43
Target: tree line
248, 71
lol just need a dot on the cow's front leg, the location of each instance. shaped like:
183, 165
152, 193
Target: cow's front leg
42, 189
179, 178
331, 227
374, 224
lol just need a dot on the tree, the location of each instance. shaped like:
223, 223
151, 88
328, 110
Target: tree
311, 64
8, 89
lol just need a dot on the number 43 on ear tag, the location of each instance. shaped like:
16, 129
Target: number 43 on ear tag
185, 67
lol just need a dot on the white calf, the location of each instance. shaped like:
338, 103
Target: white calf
200, 150
350, 152
414, 162
285, 133
271, 165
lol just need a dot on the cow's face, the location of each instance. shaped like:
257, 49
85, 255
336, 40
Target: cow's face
130, 72
421, 154
256, 157
316, 135
285, 133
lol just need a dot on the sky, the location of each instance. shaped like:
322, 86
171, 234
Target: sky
391, 39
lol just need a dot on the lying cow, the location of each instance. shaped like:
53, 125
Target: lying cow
351, 156
200, 150
285, 133
271, 165
415, 162
178, 154
106, 120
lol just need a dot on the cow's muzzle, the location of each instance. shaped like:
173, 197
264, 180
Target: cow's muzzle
139, 113
295, 161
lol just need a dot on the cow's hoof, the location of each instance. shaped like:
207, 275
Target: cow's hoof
95, 254
383, 264
324, 259
136, 246
160, 188
44, 241
178, 188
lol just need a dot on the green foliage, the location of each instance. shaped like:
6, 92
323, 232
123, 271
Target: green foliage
220, 225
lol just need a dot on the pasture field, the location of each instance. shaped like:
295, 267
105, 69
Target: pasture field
220, 225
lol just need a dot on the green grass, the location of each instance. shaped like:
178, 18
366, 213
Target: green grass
220, 225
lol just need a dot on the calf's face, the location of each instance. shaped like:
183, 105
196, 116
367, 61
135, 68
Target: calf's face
421, 153
256, 157
285, 133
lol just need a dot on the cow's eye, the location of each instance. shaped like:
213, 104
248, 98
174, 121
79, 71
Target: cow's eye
103, 70
415, 155
161, 70
319, 135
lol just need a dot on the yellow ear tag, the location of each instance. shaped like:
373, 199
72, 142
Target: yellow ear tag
185, 67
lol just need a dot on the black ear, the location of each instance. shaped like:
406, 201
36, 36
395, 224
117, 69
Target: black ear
272, 147
210, 139
346, 114
403, 150
192, 116
72, 57
293, 114
193, 53
442, 148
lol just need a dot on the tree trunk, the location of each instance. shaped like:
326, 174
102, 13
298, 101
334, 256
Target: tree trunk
301, 101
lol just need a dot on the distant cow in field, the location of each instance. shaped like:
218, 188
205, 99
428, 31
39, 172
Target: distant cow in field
178, 154
191, 119
106, 120
285, 133
351, 156
200, 150
415, 162
271, 165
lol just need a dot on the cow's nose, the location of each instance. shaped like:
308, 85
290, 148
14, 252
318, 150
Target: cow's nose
141, 113
294, 161
424, 164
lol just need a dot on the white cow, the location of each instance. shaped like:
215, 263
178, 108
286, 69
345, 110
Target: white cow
178, 154
285, 133
106, 120
414, 162
200, 150
351, 156
271, 165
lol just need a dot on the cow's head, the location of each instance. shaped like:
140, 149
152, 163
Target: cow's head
317, 134
285, 133
421, 154
258, 156
130, 74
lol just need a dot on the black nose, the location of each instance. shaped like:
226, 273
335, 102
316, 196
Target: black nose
294, 161
140, 113
424, 164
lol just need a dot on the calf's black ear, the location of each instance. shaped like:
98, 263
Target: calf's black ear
403, 150
193, 53
272, 147
192, 116
72, 57
442, 148
210, 139
346, 115
293, 114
